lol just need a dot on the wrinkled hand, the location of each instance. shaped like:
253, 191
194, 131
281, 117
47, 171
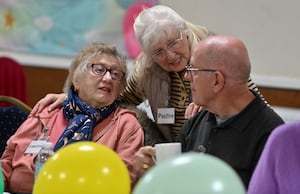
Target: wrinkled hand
55, 101
143, 160
191, 110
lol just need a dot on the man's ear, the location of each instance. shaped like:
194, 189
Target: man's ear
219, 81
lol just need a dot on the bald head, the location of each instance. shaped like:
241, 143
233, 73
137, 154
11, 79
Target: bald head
225, 53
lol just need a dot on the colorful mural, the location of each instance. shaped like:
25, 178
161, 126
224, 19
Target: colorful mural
61, 28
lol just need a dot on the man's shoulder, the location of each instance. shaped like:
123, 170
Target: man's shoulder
269, 116
265, 113
196, 120
199, 116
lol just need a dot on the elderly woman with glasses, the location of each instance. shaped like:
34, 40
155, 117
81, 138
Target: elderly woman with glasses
91, 112
167, 41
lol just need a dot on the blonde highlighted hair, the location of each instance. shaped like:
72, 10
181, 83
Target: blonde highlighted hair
79, 61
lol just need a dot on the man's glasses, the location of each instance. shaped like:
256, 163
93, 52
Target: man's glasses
173, 45
100, 70
189, 70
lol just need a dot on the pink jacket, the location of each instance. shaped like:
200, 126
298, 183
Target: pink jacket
120, 131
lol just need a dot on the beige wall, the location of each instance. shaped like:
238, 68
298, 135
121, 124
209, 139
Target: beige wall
270, 29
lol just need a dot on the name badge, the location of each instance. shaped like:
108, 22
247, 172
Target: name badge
35, 147
166, 116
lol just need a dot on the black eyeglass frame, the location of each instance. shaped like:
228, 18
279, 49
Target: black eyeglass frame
189, 69
114, 73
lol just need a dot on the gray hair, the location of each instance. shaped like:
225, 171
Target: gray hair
155, 24
78, 64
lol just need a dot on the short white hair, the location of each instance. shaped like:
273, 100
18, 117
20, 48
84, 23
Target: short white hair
157, 23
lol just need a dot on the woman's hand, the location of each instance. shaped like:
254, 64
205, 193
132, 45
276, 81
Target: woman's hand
55, 101
143, 159
191, 110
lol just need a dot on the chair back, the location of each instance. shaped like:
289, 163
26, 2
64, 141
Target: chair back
11, 118
12, 101
12, 80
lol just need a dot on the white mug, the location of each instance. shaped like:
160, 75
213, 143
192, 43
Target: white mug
164, 151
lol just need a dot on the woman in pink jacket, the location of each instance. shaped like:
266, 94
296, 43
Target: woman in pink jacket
97, 76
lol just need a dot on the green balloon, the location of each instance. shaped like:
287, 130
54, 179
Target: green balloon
190, 173
1, 180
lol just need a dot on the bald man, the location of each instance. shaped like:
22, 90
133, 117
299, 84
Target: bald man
235, 122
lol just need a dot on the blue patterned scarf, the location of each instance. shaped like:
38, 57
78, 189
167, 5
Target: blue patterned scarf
82, 119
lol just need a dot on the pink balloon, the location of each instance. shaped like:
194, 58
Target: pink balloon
131, 43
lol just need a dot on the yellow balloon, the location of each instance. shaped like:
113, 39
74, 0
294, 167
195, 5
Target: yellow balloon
83, 168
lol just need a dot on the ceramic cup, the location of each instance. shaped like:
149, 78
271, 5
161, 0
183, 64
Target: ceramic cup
164, 151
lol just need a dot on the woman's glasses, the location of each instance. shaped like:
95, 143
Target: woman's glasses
100, 70
173, 45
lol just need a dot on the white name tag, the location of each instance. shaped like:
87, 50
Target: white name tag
35, 147
166, 116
